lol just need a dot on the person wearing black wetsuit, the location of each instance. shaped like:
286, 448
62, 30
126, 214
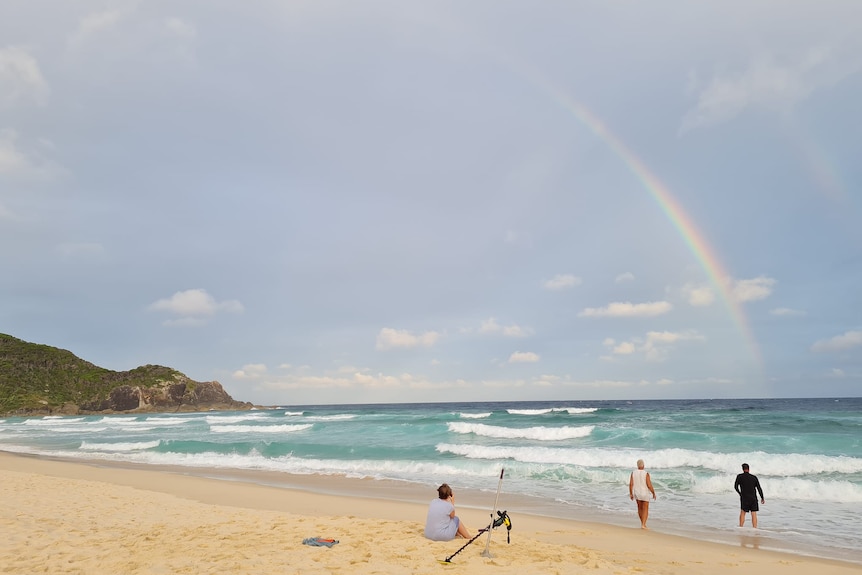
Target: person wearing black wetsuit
748, 488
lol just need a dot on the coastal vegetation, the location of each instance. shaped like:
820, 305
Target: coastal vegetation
38, 379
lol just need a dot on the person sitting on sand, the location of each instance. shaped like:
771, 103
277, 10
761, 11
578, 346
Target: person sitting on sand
442, 524
640, 487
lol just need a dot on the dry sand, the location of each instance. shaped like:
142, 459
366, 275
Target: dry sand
65, 517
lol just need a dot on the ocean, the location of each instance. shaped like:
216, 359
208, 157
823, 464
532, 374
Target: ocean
566, 459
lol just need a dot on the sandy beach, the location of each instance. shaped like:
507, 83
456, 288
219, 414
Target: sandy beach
70, 517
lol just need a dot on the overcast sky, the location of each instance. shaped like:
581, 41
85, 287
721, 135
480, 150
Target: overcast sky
388, 201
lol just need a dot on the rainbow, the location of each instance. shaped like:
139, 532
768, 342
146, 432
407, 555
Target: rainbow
684, 225
681, 221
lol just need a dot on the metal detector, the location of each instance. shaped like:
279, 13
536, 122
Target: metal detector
502, 519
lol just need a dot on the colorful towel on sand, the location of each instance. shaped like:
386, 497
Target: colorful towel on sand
319, 542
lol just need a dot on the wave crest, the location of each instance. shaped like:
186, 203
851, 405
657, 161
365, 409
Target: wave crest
534, 433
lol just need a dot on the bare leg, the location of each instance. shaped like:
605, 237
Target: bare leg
643, 512
462, 530
754, 519
741, 518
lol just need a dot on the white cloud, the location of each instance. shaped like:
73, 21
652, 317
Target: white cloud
390, 338
627, 309
752, 290
357, 380
490, 326
21, 79
786, 312
523, 357
562, 281
654, 346
658, 343
93, 24
746, 290
625, 277
843, 342
516, 331
766, 83
625, 348
194, 305
251, 371
666, 337
699, 296
18, 164
12, 160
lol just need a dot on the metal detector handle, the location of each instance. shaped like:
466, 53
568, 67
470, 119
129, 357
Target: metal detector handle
487, 552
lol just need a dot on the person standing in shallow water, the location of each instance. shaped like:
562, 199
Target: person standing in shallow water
748, 487
640, 488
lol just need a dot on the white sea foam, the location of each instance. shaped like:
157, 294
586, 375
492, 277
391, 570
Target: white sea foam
131, 425
168, 421
778, 465
787, 488
474, 415
572, 410
134, 446
71, 429
149, 421
376, 469
118, 421
217, 419
534, 433
52, 420
336, 417
813, 496
260, 428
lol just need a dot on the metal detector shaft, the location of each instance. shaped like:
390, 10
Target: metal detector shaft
487, 552
476, 536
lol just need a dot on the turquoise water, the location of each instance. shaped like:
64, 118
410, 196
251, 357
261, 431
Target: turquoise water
567, 459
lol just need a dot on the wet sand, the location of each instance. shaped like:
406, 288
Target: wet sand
73, 517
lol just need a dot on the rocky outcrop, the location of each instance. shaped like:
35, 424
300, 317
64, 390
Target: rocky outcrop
184, 395
38, 379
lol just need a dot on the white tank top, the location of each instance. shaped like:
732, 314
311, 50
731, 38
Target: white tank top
640, 489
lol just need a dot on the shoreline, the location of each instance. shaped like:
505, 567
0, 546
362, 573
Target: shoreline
372, 519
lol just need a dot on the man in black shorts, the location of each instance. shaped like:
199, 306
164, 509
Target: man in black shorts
748, 487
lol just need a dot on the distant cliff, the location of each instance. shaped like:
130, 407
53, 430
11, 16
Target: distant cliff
40, 379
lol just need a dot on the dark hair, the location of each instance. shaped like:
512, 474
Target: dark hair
444, 491
745, 467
